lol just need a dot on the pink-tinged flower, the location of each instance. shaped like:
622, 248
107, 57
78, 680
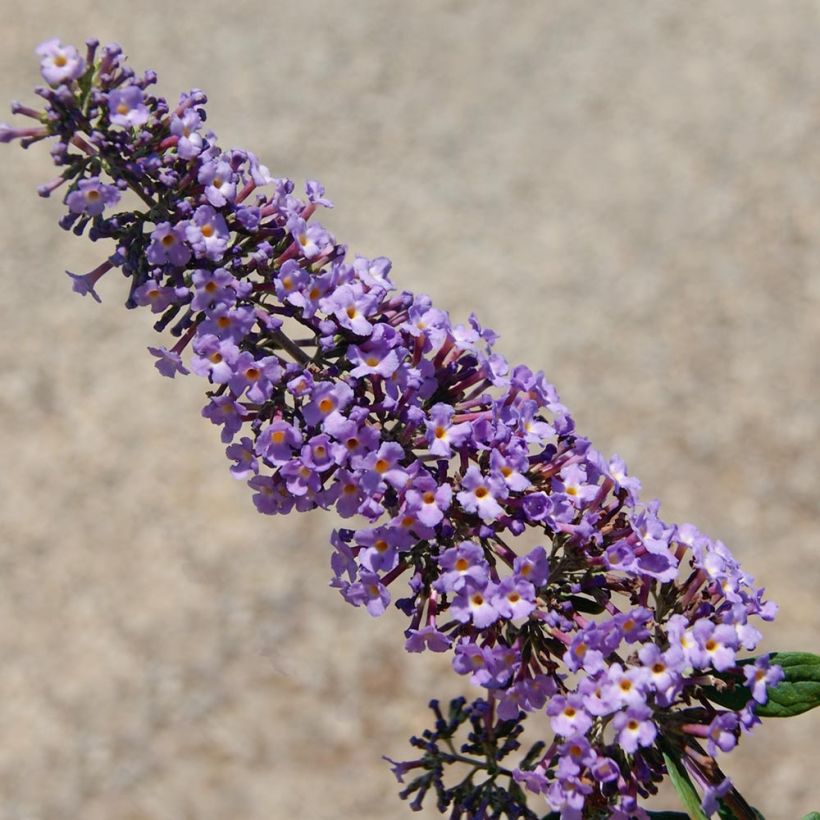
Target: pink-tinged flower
126, 107
568, 716
479, 494
91, 197
60, 64
168, 245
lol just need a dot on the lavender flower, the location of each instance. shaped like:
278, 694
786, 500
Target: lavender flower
382, 408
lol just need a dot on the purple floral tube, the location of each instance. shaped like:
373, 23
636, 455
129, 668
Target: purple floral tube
333, 389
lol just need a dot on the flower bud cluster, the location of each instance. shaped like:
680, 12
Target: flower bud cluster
334, 390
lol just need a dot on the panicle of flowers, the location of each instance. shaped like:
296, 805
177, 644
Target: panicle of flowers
332, 389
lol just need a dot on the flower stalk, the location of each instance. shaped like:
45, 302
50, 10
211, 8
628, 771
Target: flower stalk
439, 451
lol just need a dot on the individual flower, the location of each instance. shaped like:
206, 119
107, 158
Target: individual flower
59, 64
91, 196
126, 107
168, 245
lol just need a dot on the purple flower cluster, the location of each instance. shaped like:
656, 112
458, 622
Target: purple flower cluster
332, 389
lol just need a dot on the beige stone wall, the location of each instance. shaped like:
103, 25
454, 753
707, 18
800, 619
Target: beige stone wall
629, 192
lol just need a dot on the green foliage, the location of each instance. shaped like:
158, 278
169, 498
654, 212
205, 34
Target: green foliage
798, 692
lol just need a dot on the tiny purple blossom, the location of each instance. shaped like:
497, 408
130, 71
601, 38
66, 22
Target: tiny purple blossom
316, 193
219, 180
568, 716
92, 196
327, 400
635, 728
168, 246
214, 358
207, 233
427, 637
461, 563
223, 410
370, 591
186, 127
155, 295
257, 376
428, 501
278, 441
474, 603
442, 436
126, 107
760, 675
168, 362
479, 494
514, 599
532, 567
245, 462
59, 64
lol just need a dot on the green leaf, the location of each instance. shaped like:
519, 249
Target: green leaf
812, 815
798, 692
588, 605
683, 786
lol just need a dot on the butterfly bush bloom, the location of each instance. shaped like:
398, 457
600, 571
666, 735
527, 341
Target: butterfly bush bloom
378, 406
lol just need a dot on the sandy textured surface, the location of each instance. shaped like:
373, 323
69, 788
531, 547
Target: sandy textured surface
628, 192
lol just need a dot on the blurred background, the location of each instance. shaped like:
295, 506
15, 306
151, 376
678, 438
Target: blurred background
628, 192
